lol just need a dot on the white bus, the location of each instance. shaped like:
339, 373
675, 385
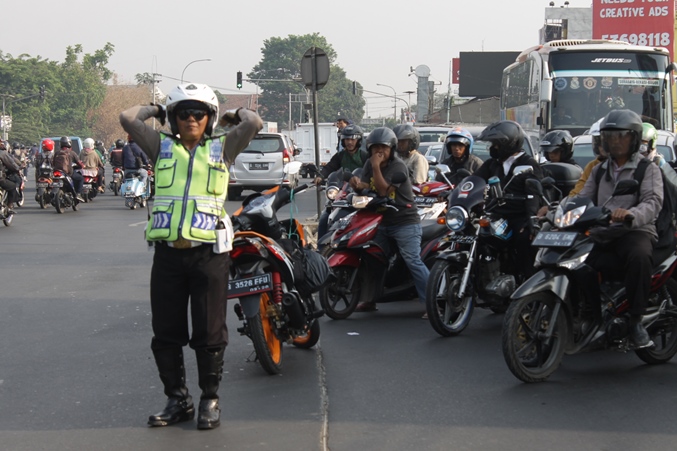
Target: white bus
570, 84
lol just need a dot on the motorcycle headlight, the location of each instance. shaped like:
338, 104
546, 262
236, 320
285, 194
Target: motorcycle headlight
565, 219
332, 192
360, 201
457, 218
574, 262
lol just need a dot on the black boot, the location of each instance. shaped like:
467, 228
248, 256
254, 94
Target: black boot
209, 368
638, 334
173, 375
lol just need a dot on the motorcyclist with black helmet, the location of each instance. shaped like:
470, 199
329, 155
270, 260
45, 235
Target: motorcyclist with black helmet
458, 144
408, 140
402, 225
627, 251
506, 139
116, 157
8, 170
351, 157
558, 147
63, 160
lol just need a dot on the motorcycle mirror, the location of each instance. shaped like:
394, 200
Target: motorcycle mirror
293, 168
623, 187
442, 169
431, 160
533, 186
548, 182
522, 170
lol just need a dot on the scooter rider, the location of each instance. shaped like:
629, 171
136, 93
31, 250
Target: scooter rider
507, 139
192, 183
558, 147
134, 159
408, 139
92, 161
628, 250
350, 158
403, 225
458, 144
8, 164
63, 160
116, 159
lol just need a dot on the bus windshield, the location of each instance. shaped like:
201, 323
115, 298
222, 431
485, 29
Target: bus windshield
587, 85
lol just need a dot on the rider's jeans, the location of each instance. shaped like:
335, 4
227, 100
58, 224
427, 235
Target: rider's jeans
142, 173
408, 239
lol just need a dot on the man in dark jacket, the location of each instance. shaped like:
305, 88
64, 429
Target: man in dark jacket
8, 164
134, 159
507, 138
63, 160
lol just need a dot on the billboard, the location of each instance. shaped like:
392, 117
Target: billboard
649, 23
481, 72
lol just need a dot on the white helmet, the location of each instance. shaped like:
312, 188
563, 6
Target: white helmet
88, 143
192, 92
594, 129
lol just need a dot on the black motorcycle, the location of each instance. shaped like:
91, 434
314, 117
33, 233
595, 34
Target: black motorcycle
63, 197
477, 269
556, 311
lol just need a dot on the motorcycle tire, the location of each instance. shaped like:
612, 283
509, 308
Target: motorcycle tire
337, 300
310, 339
530, 356
142, 204
85, 196
116, 190
75, 205
8, 220
663, 331
58, 202
22, 199
41, 199
447, 314
267, 344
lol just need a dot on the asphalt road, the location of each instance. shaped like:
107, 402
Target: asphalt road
77, 372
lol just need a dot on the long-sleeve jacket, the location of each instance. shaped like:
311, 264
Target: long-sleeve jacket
133, 121
343, 159
130, 153
90, 159
645, 205
8, 164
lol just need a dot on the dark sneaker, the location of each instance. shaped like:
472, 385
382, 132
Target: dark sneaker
79, 198
639, 336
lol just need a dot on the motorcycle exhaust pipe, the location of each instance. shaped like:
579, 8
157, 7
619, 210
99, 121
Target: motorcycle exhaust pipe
292, 307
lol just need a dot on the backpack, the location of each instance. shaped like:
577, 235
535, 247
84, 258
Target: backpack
665, 222
62, 160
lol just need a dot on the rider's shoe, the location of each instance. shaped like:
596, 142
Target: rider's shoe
638, 334
79, 198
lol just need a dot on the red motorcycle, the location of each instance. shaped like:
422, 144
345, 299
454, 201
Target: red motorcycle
366, 272
90, 181
116, 182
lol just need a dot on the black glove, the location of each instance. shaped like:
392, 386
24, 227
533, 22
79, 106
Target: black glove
230, 118
161, 114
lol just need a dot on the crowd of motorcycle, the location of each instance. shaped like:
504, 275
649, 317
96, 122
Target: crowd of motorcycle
56, 188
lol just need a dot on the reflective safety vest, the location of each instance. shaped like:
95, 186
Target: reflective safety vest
190, 191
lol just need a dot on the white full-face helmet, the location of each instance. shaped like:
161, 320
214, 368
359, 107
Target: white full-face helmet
191, 95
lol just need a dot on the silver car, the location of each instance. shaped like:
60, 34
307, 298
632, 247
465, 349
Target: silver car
261, 165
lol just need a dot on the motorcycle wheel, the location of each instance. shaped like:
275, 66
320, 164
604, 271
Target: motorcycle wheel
447, 314
20, 202
41, 199
663, 331
58, 202
268, 346
310, 339
142, 204
528, 354
8, 220
86, 197
337, 300
75, 205
116, 189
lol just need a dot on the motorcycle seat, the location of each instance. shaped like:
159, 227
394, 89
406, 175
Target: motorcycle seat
431, 229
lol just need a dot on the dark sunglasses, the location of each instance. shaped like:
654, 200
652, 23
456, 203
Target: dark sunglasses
185, 114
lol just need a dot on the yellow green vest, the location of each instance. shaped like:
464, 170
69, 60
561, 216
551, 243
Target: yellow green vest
190, 191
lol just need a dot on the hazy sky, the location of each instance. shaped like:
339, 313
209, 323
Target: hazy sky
376, 41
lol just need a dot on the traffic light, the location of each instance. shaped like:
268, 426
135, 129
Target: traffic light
42, 93
239, 80
354, 88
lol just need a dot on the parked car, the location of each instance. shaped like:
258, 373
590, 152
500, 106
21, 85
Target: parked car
261, 165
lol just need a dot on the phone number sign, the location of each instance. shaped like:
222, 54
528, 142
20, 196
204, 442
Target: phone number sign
639, 22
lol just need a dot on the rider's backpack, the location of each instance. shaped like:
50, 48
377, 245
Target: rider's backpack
665, 223
62, 160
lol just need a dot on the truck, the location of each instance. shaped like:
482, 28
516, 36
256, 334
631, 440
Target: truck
269, 127
304, 139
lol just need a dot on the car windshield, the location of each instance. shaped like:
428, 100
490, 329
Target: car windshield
435, 151
583, 153
264, 145
432, 137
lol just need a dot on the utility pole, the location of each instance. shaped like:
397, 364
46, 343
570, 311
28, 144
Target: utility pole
152, 84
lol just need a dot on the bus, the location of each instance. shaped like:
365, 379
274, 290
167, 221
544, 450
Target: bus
570, 84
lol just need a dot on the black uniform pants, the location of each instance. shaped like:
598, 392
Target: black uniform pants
629, 257
195, 276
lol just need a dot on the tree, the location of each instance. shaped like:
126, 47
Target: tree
282, 60
106, 117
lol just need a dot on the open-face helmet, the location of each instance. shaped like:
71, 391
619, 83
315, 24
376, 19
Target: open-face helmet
192, 95
382, 135
622, 120
352, 132
408, 131
459, 135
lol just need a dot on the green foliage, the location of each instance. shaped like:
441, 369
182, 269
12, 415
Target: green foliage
282, 60
73, 90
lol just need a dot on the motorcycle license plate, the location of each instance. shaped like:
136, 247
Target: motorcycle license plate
87, 186
463, 239
42, 184
424, 201
258, 166
57, 184
250, 285
554, 239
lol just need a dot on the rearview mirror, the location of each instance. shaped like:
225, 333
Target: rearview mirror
524, 169
442, 169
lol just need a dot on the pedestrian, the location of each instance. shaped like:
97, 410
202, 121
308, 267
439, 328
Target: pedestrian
191, 187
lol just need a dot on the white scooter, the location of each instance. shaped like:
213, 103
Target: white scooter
135, 191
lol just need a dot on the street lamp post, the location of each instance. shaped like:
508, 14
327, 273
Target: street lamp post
196, 61
409, 104
394, 98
